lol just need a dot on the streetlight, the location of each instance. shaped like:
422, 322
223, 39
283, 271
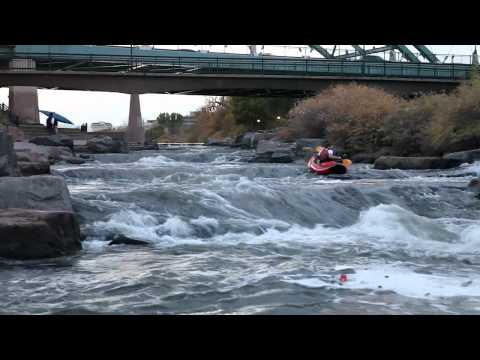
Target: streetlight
278, 117
258, 121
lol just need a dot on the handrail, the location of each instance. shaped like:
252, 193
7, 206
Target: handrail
282, 65
258, 59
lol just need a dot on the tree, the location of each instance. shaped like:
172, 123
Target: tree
171, 121
270, 111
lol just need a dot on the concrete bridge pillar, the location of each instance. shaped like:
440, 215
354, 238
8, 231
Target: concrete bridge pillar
135, 131
23, 100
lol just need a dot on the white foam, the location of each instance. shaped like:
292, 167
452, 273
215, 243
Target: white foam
156, 161
131, 223
408, 283
94, 245
470, 238
176, 227
401, 280
473, 168
392, 223
383, 227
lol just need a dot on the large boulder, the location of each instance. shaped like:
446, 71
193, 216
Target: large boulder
32, 152
274, 152
368, 158
414, 163
42, 192
8, 159
27, 234
27, 168
53, 140
468, 156
105, 144
73, 160
250, 140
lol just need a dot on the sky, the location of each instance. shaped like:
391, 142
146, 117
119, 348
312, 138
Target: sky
87, 107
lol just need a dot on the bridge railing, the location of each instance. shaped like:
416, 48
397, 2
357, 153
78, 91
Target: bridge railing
251, 65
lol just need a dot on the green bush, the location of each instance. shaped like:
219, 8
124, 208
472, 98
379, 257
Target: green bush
154, 133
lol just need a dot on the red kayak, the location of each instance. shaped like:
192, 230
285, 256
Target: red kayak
327, 167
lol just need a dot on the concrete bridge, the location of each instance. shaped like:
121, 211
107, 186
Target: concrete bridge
24, 68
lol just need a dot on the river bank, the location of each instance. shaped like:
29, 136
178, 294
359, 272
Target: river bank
227, 236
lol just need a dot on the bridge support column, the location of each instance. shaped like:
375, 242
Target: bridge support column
135, 131
23, 100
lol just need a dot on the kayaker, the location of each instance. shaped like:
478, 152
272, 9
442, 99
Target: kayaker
324, 154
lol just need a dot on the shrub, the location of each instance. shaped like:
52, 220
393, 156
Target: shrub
455, 123
350, 116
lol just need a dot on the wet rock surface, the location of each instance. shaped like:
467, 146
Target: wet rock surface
468, 156
415, 163
8, 160
125, 240
105, 144
29, 168
53, 140
42, 192
33, 234
274, 152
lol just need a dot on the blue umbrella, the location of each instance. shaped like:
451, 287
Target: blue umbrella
57, 117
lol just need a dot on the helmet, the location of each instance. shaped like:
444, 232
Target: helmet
319, 148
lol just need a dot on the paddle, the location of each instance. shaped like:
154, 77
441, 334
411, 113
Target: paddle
346, 162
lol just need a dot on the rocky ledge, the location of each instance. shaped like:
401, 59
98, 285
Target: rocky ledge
415, 163
105, 144
33, 234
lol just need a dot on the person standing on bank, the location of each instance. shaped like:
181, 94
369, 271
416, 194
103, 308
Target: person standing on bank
49, 123
55, 126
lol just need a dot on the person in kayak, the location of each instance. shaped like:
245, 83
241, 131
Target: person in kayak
325, 154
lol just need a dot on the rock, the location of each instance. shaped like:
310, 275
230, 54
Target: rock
85, 156
307, 143
41, 192
414, 163
274, 151
105, 144
17, 134
72, 160
468, 156
250, 140
8, 160
27, 168
474, 186
367, 158
33, 152
53, 140
34, 234
281, 157
122, 239
217, 142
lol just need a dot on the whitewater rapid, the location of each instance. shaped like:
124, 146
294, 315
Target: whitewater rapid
227, 236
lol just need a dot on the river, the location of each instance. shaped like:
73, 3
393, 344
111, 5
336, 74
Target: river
231, 237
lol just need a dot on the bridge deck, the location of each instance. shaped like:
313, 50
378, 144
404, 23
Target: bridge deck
120, 59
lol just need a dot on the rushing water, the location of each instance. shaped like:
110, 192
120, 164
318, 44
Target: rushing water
232, 237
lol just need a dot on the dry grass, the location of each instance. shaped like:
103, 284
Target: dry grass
362, 119
350, 116
216, 124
